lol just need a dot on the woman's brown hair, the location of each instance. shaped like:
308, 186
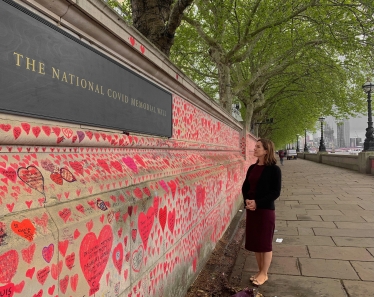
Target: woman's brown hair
269, 158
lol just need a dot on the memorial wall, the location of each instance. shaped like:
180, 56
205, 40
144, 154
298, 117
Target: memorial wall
118, 175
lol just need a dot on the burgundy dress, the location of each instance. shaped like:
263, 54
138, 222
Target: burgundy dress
260, 223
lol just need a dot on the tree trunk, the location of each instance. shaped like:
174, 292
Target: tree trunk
248, 116
158, 20
225, 86
224, 77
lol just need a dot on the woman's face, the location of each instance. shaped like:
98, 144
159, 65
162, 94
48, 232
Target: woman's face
259, 150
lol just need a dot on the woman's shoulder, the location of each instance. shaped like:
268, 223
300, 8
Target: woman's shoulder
274, 167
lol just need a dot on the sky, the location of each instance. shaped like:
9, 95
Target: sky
357, 125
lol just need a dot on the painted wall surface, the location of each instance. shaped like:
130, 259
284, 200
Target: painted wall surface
103, 214
92, 212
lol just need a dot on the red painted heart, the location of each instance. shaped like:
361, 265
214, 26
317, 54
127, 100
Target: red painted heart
56, 269
64, 284
145, 223
138, 193
36, 131
200, 196
117, 165
10, 173
28, 253
173, 187
63, 246
7, 290
19, 287
134, 232
104, 165
8, 264
77, 166
69, 260
139, 160
99, 248
51, 290
26, 127
47, 130
24, 229
30, 272
162, 214
42, 275
156, 201
171, 220
56, 178
74, 282
65, 214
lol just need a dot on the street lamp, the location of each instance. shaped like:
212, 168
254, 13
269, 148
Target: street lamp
368, 87
322, 147
297, 143
305, 145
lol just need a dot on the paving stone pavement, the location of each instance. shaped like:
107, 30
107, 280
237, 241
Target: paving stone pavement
325, 216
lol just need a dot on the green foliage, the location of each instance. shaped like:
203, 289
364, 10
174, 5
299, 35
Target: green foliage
290, 60
123, 8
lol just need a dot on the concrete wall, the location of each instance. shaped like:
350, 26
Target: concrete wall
344, 161
371, 160
351, 162
307, 156
94, 212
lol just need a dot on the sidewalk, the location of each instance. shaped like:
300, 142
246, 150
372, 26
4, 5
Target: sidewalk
325, 216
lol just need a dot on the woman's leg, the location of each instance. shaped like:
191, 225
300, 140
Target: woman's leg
259, 263
266, 258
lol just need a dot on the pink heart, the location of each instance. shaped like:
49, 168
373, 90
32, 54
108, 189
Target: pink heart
130, 163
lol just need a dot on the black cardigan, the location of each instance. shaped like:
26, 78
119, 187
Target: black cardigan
268, 188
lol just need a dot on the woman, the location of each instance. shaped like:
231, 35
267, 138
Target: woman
260, 189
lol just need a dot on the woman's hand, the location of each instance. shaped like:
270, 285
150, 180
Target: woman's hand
250, 204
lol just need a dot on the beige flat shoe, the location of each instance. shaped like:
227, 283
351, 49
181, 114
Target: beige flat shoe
257, 283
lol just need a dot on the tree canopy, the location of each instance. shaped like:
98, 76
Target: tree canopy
290, 60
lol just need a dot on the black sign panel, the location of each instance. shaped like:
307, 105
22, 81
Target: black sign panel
47, 73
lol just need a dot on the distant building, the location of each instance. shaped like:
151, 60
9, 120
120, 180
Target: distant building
358, 141
347, 128
355, 142
342, 137
328, 135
